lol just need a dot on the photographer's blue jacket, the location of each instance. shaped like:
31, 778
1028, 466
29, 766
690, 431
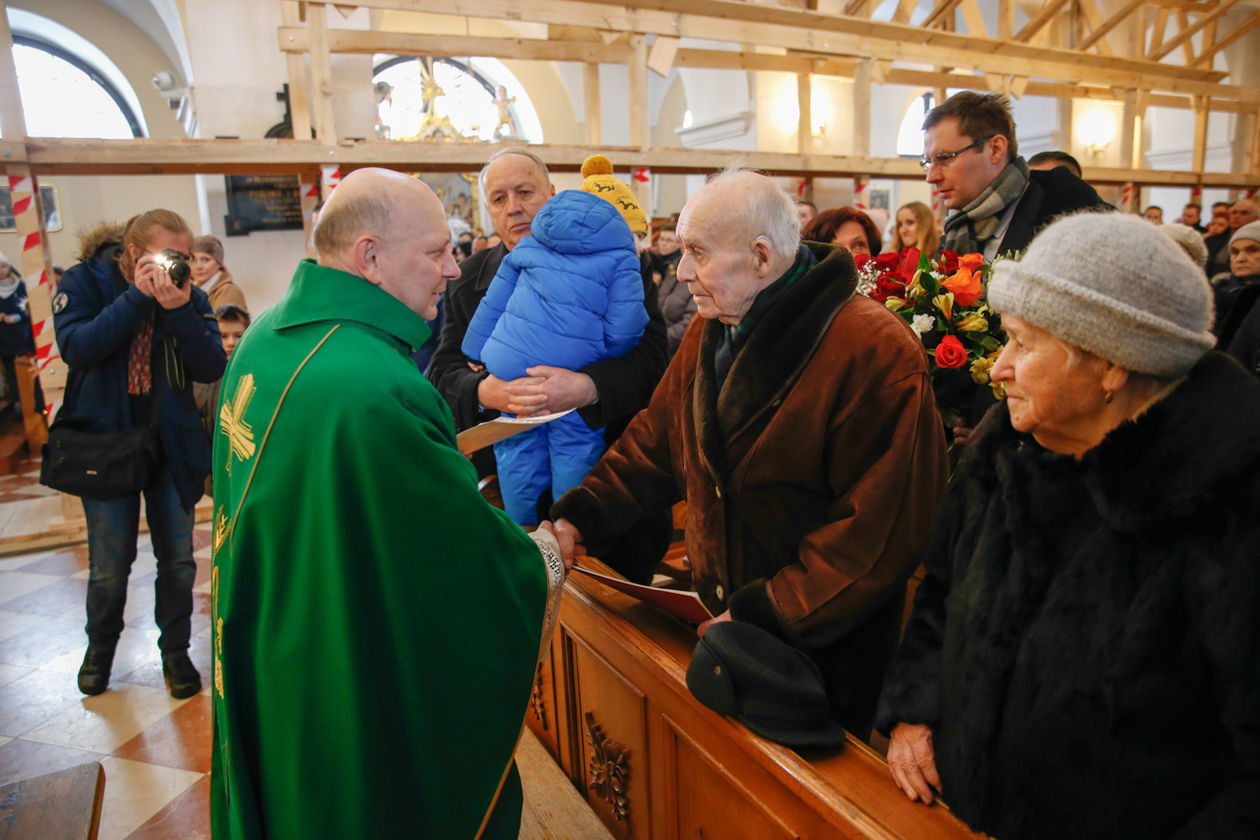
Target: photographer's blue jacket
95, 313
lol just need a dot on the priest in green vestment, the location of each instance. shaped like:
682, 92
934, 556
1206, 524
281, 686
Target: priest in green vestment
376, 624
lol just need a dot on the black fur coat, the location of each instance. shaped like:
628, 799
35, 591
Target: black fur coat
1086, 645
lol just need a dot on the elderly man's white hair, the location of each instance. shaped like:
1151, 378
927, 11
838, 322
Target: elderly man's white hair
538, 162
768, 211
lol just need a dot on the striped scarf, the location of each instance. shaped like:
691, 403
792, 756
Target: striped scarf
139, 365
968, 229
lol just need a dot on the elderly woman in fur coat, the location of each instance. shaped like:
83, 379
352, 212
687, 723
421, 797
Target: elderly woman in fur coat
1083, 658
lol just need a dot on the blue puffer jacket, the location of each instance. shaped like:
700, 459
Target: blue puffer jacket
97, 317
568, 296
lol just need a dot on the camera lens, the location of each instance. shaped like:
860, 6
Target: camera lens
176, 267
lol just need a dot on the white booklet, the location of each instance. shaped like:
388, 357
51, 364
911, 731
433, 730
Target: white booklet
500, 428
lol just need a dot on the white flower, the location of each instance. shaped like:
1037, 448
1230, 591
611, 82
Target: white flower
922, 324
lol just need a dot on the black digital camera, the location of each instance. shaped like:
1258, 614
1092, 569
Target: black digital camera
176, 266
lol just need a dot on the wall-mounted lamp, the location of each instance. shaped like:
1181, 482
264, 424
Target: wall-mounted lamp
1096, 130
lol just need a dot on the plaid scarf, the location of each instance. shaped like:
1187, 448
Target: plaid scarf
966, 230
139, 367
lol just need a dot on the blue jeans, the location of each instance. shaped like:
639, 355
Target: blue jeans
113, 527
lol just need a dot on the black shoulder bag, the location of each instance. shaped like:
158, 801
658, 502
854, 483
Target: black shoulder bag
106, 465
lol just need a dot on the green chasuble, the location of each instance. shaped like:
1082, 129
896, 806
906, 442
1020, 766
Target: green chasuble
376, 623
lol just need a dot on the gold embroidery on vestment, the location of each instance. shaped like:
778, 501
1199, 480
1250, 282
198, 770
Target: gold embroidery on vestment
217, 642
220, 530
240, 434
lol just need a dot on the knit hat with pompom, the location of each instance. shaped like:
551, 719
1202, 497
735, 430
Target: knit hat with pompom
597, 178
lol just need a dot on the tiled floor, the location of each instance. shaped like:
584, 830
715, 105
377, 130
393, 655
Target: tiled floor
155, 750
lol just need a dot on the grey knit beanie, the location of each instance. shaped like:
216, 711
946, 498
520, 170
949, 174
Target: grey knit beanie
1113, 285
1189, 240
1251, 230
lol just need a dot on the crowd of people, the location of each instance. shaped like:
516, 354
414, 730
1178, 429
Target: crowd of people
1082, 657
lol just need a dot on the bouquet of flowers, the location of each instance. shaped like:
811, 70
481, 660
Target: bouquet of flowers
943, 301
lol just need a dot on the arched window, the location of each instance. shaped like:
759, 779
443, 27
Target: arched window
910, 134
442, 99
63, 96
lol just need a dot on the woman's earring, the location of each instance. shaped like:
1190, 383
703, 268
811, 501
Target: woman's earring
1107, 395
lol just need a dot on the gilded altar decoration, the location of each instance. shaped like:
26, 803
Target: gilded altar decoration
232, 423
609, 770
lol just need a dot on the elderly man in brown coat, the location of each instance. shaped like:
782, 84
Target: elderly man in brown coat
797, 421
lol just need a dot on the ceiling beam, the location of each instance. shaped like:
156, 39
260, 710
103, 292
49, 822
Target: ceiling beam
1205, 57
293, 40
776, 26
1047, 13
175, 157
938, 13
1110, 24
1188, 32
905, 8
1093, 17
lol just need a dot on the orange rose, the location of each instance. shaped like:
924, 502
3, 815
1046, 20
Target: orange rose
965, 284
971, 261
950, 353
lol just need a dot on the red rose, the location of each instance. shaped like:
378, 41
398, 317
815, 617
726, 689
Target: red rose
950, 353
887, 286
861, 260
949, 262
908, 265
887, 261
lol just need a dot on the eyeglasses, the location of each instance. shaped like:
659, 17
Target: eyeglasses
945, 158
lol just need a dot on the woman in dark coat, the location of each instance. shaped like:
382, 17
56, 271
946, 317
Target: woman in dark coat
1083, 659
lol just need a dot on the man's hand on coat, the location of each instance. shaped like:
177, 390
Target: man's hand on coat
913, 761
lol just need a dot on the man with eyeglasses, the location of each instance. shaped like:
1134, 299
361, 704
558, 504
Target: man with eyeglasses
997, 204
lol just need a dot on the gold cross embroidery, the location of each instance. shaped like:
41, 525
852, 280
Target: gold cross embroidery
220, 530
232, 421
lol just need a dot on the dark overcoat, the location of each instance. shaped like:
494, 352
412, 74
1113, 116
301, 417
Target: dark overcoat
1085, 645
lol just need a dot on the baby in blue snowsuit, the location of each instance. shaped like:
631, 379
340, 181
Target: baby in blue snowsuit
568, 296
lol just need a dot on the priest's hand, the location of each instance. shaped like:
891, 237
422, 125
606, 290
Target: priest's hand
913, 761
570, 540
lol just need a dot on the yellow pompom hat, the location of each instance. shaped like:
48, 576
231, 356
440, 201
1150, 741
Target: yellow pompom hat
597, 178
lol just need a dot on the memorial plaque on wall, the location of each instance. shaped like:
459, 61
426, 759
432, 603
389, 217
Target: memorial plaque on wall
262, 202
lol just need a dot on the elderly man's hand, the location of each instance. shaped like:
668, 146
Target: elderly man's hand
704, 628
570, 540
913, 761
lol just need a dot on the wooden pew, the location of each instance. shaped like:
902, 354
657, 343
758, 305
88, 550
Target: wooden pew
64, 805
611, 704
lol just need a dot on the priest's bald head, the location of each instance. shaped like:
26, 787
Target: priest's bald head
389, 229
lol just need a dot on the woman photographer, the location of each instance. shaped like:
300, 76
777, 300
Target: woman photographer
135, 340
